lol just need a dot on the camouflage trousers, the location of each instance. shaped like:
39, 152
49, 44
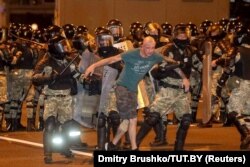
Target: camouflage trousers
170, 100
239, 102
239, 99
3, 88
216, 101
32, 101
20, 83
58, 103
195, 86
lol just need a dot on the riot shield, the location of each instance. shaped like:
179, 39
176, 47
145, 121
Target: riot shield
85, 105
207, 85
125, 45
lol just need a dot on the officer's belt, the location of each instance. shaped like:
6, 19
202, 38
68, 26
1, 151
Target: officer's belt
167, 85
57, 95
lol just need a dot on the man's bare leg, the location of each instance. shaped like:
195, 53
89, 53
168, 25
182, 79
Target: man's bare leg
132, 132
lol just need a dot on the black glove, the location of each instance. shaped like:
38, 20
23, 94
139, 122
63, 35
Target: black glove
41, 79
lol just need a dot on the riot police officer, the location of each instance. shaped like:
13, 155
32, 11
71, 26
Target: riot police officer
5, 60
172, 96
136, 34
108, 116
116, 29
53, 72
220, 47
21, 70
238, 106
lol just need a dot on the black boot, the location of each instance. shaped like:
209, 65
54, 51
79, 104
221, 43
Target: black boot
243, 130
41, 124
152, 119
18, 125
143, 131
194, 115
160, 131
47, 148
228, 120
182, 132
13, 124
101, 132
50, 127
8, 125
31, 124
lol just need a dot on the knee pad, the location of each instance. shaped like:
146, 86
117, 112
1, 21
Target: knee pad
124, 125
101, 120
114, 118
50, 124
185, 121
153, 118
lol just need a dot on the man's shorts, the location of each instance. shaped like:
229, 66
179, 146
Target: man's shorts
126, 102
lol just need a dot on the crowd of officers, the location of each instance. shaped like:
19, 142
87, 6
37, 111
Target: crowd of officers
41, 69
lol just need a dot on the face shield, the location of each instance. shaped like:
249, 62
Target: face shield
80, 42
117, 32
104, 41
62, 47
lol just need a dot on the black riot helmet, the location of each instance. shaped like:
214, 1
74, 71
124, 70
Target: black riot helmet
167, 28
154, 30
53, 31
237, 27
116, 29
13, 31
223, 23
136, 30
104, 38
82, 29
215, 32
69, 30
193, 29
38, 36
104, 41
58, 46
204, 26
97, 29
80, 42
235, 31
25, 31
181, 35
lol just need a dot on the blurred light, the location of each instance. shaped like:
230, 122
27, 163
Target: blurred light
74, 133
34, 26
57, 140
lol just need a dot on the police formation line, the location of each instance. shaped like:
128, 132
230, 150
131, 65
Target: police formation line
159, 69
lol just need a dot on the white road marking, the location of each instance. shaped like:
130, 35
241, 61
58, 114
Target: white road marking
40, 145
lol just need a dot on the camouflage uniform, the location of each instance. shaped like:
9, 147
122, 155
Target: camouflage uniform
171, 96
238, 105
21, 71
58, 104
170, 99
4, 83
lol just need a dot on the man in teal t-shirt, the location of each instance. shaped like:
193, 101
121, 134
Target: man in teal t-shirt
137, 63
136, 67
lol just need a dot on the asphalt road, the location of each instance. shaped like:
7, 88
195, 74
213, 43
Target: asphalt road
24, 149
